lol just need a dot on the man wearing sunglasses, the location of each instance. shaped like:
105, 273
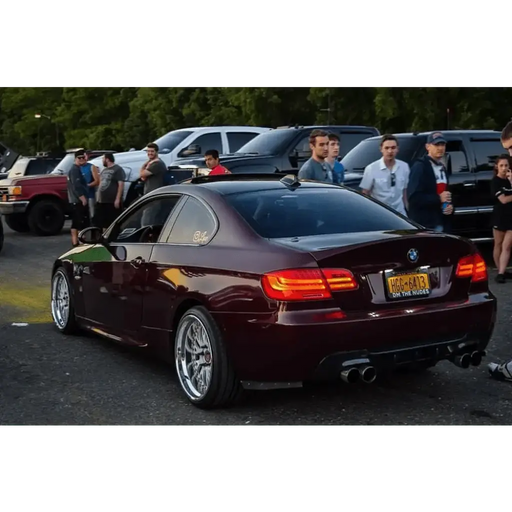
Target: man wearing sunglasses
77, 194
503, 371
386, 179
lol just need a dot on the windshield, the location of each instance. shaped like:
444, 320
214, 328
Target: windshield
268, 143
307, 212
368, 151
170, 140
65, 165
19, 167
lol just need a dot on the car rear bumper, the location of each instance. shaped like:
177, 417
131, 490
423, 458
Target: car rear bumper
284, 348
8, 208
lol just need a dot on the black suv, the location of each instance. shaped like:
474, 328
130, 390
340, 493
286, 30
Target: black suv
279, 150
470, 157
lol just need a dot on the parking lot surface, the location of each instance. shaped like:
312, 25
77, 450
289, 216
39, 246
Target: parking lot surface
48, 378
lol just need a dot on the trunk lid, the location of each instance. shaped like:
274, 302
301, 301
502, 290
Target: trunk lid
392, 268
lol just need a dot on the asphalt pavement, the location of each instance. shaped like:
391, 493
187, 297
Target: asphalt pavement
50, 379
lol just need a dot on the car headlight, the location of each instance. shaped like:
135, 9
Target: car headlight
15, 190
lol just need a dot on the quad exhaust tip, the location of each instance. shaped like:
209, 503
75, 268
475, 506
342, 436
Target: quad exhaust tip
350, 376
368, 374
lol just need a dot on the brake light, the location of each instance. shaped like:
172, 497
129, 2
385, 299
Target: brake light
472, 266
307, 284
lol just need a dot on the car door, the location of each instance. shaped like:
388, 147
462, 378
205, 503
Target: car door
462, 185
485, 150
115, 281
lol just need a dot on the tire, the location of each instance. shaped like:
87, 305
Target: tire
46, 218
17, 222
1, 234
65, 323
218, 387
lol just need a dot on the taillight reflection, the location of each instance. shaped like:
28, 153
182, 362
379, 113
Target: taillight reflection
472, 266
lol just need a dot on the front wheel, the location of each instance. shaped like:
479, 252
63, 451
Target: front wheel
204, 370
63, 308
46, 218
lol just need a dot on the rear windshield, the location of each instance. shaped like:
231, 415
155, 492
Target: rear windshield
369, 150
268, 143
321, 211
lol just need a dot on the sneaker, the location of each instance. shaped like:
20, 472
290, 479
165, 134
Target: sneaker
500, 278
501, 371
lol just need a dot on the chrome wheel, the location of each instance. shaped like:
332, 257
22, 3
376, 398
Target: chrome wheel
194, 357
60, 300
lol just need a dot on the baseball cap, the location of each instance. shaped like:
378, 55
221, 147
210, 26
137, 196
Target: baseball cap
436, 138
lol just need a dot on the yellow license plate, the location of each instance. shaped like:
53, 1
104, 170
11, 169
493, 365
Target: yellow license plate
406, 286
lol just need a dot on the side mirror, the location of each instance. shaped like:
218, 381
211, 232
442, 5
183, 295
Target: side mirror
91, 236
193, 149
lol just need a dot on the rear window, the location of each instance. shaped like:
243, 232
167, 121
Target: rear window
308, 211
368, 151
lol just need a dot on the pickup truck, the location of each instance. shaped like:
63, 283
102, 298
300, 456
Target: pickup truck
39, 203
284, 149
469, 160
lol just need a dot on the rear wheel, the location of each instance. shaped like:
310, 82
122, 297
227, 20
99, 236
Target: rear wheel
46, 218
63, 307
204, 370
17, 222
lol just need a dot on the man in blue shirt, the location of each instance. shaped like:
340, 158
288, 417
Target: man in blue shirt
337, 169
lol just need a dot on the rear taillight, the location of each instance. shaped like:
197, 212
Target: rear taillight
472, 266
307, 284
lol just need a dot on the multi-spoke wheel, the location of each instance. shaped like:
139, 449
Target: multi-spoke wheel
63, 311
204, 371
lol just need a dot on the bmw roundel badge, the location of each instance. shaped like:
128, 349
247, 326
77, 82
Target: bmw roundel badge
413, 255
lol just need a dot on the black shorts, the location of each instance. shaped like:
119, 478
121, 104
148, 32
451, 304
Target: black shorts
79, 216
105, 214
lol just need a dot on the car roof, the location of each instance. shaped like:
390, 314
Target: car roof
446, 132
226, 185
327, 127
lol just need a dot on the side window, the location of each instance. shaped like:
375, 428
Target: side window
36, 167
145, 224
456, 159
486, 152
209, 141
303, 145
238, 139
349, 141
194, 225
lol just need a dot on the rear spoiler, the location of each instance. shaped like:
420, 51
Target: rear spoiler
7, 158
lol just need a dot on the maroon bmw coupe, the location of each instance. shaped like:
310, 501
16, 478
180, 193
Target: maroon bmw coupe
265, 282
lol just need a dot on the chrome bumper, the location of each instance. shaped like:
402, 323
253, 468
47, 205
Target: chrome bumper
8, 208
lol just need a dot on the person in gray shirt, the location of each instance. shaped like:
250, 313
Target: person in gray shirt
316, 168
153, 171
109, 199
77, 194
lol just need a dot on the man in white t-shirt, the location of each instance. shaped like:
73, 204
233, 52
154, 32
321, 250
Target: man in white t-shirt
386, 179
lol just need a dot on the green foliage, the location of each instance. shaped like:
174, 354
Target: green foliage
119, 118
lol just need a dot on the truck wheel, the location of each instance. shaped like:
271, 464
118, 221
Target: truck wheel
17, 222
46, 218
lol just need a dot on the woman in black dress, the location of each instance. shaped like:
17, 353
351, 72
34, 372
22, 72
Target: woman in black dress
501, 189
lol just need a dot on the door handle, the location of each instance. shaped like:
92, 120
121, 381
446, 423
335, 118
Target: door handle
469, 184
137, 262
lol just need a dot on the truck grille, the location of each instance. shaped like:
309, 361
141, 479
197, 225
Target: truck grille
4, 190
